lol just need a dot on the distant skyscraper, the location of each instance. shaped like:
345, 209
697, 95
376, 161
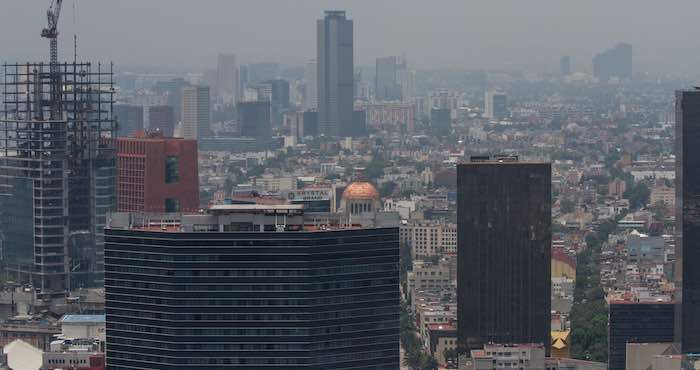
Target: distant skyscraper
504, 260
161, 118
277, 92
310, 123
196, 112
129, 119
687, 220
615, 62
254, 119
335, 74
359, 123
227, 78
357, 85
386, 85
406, 79
565, 65
261, 72
310, 94
440, 122
637, 322
172, 89
242, 288
242, 81
157, 174
496, 105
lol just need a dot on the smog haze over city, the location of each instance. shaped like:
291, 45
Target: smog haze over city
349, 185
478, 34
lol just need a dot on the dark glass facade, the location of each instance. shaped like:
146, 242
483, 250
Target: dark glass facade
635, 322
161, 118
310, 123
359, 124
279, 99
440, 122
386, 85
254, 119
504, 252
335, 74
129, 119
252, 300
688, 219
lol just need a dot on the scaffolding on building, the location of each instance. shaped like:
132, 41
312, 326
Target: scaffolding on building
57, 167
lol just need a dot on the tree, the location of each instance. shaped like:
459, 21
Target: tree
430, 363
375, 168
638, 195
413, 358
589, 315
386, 189
659, 211
414, 355
567, 205
405, 260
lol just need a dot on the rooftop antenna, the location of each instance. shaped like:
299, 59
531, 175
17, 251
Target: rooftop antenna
75, 31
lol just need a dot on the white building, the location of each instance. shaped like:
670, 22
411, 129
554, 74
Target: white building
495, 105
81, 345
227, 79
502, 357
429, 276
522, 357
429, 238
664, 195
196, 115
74, 354
83, 326
22, 356
275, 184
310, 97
405, 208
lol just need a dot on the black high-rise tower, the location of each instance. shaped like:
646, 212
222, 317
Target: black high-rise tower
687, 276
335, 74
504, 240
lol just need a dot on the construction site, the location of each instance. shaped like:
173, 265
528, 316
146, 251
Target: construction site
57, 169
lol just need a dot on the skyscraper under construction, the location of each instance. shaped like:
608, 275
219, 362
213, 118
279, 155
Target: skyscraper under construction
56, 172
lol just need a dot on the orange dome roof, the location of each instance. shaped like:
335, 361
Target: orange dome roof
361, 190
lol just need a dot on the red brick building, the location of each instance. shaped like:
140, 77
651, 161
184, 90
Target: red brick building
157, 174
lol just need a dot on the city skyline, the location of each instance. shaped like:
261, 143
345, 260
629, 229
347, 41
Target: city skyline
328, 209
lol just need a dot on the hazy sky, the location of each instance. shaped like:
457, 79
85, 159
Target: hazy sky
520, 34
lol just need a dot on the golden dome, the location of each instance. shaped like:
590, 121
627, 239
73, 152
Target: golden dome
361, 190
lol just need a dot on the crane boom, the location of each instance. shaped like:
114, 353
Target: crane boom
51, 31
52, 14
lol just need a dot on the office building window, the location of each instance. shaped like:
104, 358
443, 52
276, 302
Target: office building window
172, 205
172, 170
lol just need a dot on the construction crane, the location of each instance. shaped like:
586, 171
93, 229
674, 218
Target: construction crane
51, 33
